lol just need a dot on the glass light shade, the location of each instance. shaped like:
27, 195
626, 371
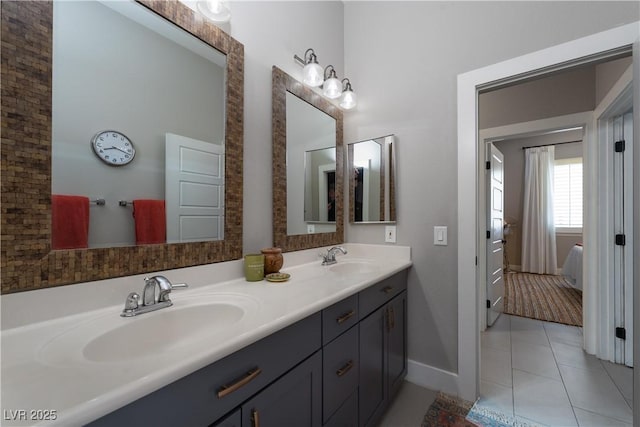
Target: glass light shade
312, 74
214, 10
349, 99
332, 88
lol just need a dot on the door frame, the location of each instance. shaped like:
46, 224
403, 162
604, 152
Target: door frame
469, 155
617, 101
513, 131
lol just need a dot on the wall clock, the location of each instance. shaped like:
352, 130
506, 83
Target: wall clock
113, 147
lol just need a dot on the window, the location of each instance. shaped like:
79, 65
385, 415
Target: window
567, 194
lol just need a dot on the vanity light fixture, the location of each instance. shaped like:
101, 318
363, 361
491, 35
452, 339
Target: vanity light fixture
331, 88
312, 71
214, 10
349, 99
313, 75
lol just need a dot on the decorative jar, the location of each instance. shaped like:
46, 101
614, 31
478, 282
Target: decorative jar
273, 260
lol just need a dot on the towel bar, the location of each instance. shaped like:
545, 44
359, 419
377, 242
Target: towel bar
99, 202
124, 203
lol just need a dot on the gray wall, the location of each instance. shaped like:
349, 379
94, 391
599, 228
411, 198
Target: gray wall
272, 32
403, 60
514, 188
552, 96
607, 74
106, 76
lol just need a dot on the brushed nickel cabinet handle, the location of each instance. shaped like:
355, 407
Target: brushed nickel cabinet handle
345, 317
247, 378
346, 368
255, 419
386, 289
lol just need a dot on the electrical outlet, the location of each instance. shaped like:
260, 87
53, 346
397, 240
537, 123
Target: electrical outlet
390, 233
311, 228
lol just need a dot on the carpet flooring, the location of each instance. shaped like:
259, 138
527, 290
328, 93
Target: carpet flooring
543, 297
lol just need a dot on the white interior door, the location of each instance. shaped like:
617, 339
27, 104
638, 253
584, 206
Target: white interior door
623, 226
495, 248
194, 189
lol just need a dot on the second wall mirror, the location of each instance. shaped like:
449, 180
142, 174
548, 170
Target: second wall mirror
307, 167
372, 183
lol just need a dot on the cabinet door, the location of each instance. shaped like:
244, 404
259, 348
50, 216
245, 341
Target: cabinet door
340, 372
397, 342
373, 380
293, 400
232, 420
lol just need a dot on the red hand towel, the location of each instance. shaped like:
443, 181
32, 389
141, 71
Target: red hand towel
69, 222
150, 221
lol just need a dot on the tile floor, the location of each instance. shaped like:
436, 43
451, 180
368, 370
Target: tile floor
409, 407
537, 371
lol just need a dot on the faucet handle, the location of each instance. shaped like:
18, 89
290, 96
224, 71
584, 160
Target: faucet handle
131, 304
163, 295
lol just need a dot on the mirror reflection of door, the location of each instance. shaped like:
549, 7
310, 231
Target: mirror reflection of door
358, 193
331, 196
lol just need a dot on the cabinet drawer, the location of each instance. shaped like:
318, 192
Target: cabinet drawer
204, 396
339, 318
378, 294
340, 367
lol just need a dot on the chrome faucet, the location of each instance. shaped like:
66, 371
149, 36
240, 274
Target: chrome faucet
150, 300
330, 257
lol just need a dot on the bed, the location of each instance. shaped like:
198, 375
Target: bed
572, 267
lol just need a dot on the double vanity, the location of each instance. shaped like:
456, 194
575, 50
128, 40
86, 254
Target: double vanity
327, 347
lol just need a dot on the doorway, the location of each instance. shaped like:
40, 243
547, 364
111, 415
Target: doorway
602, 44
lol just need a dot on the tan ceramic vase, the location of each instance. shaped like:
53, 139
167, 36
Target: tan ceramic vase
273, 260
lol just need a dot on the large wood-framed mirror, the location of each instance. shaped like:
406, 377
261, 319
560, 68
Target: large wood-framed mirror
27, 261
307, 179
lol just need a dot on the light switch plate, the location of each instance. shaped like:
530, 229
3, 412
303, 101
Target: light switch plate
440, 235
390, 233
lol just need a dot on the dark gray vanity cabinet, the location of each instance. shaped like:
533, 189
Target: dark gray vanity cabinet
214, 391
336, 368
293, 400
383, 348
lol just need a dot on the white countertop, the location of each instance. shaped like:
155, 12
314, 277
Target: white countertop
81, 390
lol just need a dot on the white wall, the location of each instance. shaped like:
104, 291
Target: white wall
403, 59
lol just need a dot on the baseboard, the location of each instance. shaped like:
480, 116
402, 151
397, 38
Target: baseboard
432, 378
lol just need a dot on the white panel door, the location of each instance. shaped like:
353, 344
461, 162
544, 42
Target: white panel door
495, 249
623, 225
194, 189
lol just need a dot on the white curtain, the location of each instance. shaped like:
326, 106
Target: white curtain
538, 229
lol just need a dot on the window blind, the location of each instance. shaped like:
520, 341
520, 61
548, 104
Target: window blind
567, 193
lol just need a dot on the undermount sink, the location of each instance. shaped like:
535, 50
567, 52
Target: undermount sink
354, 266
111, 338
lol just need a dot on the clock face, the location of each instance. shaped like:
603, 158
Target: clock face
113, 148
